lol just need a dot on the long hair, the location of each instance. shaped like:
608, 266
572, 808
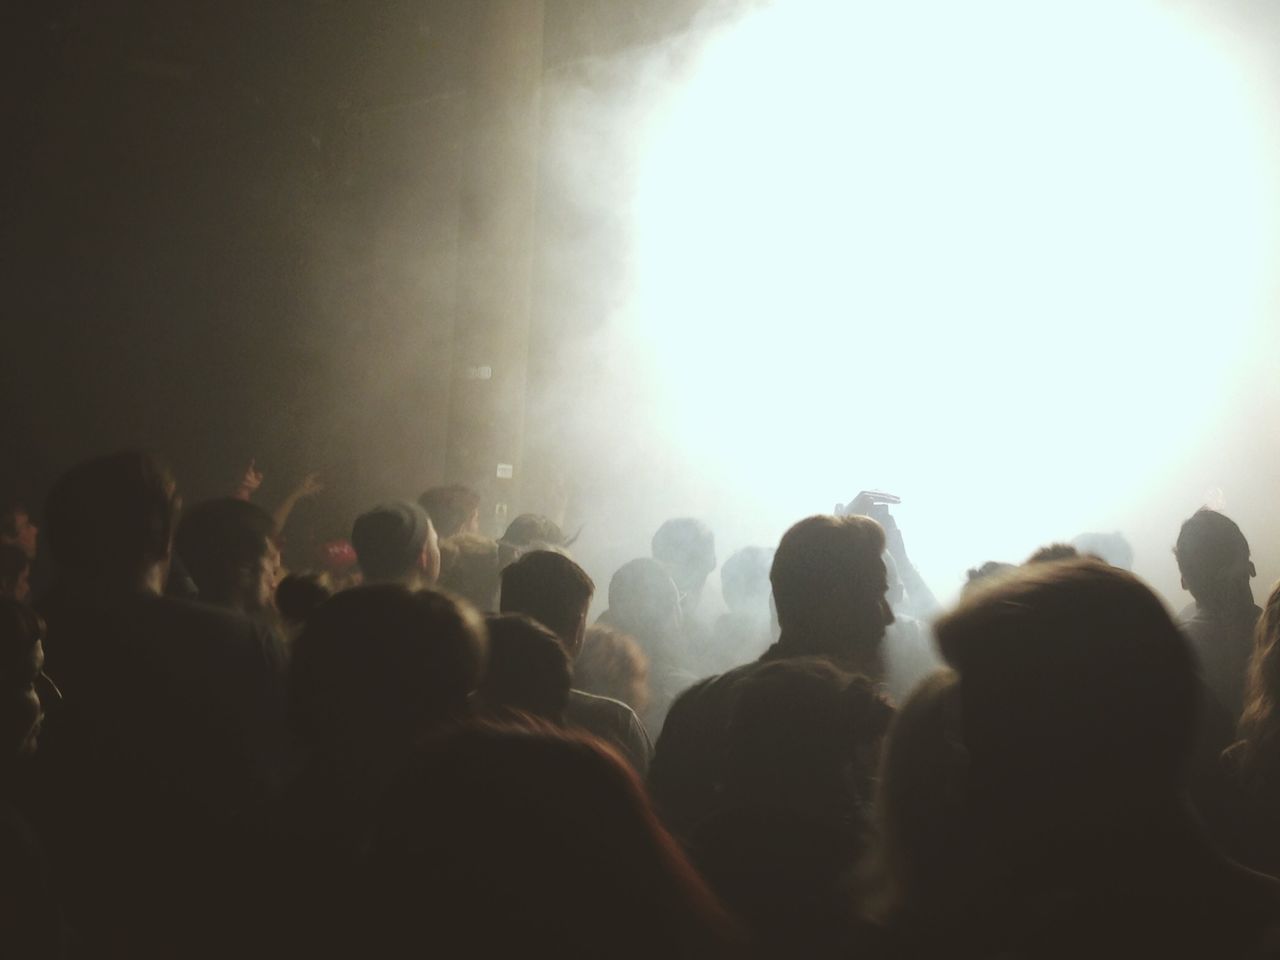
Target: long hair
1260, 721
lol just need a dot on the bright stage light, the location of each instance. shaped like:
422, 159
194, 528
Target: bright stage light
965, 252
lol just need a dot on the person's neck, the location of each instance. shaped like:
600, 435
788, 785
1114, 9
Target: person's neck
851, 655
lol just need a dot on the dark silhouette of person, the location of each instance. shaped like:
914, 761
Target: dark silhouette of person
611, 664
15, 573
507, 842
171, 728
829, 586
1251, 827
792, 820
556, 592
453, 509
531, 531
228, 549
745, 631
1078, 699
644, 602
297, 597
30, 918
470, 566
1213, 560
528, 670
687, 548
396, 543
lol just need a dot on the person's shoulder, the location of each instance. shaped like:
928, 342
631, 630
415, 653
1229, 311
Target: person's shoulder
585, 706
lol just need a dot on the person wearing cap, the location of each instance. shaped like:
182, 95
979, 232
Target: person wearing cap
396, 543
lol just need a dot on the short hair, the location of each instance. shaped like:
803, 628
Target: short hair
220, 541
1208, 543
1072, 675
685, 544
745, 577
1053, 552
299, 594
111, 516
388, 539
381, 658
450, 507
549, 587
528, 668
469, 567
642, 598
819, 555
612, 664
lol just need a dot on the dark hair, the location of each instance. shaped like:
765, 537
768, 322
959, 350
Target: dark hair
450, 507
220, 542
611, 664
469, 567
299, 594
1072, 675
644, 602
549, 587
528, 840
110, 517
1054, 552
820, 555
991, 570
384, 659
13, 563
528, 668
1208, 544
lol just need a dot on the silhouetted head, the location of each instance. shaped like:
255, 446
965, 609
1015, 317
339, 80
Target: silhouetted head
453, 509
528, 668
991, 570
829, 585
644, 602
469, 567
1111, 547
228, 549
611, 664
298, 596
520, 841
111, 521
1053, 552
744, 580
1079, 694
553, 590
15, 573
687, 548
17, 528
396, 543
21, 669
384, 661
1213, 558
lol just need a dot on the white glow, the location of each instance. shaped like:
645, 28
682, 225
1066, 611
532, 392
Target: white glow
959, 251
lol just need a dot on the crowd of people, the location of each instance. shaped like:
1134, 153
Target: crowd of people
422, 746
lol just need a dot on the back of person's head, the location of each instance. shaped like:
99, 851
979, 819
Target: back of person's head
532, 531
829, 583
804, 736
687, 548
1259, 750
991, 570
395, 541
111, 519
227, 547
21, 666
552, 589
469, 567
530, 841
1052, 553
612, 664
383, 660
299, 594
644, 602
1113, 548
453, 509
1213, 559
1079, 692
744, 580
15, 570
528, 668
920, 801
